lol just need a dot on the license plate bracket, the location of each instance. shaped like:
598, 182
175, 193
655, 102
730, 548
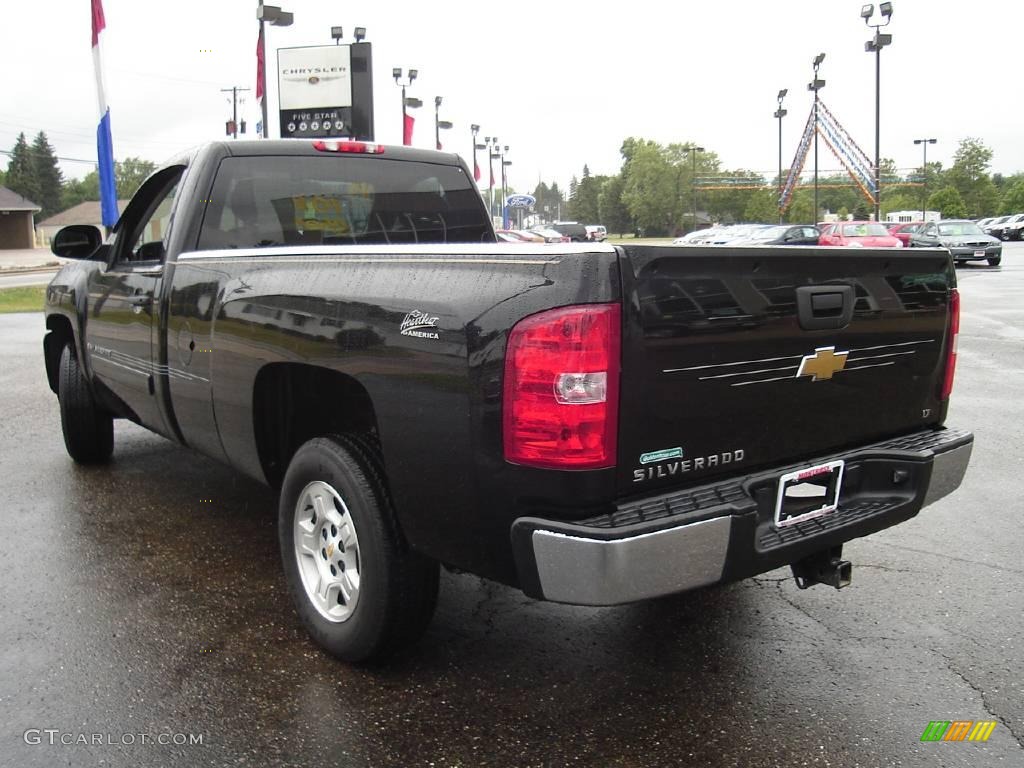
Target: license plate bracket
808, 493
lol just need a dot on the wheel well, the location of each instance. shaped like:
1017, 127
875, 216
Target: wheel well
60, 334
294, 402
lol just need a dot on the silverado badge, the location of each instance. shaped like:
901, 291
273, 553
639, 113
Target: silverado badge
822, 364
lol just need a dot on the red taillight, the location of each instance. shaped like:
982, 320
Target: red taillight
357, 147
561, 393
954, 333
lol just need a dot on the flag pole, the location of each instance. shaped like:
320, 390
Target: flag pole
104, 141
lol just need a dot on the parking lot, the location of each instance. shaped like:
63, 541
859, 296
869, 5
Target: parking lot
145, 599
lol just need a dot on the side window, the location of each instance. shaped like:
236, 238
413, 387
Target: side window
931, 231
149, 245
147, 219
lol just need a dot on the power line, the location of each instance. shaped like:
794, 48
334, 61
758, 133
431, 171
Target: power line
43, 154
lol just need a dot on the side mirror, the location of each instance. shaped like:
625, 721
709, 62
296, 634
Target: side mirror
78, 241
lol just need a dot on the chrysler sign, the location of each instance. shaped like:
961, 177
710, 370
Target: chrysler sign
320, 89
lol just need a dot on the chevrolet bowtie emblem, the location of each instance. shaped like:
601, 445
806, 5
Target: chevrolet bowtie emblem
822, 364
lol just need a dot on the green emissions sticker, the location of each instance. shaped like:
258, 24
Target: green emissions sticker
666, 453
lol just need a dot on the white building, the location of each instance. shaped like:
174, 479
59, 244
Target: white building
902, 217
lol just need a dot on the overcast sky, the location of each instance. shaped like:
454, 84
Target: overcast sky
562, 83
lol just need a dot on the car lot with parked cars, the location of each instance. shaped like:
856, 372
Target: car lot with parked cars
1010, 228
964, 239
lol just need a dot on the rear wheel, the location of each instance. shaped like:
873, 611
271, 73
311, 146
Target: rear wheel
361, 593
88, 430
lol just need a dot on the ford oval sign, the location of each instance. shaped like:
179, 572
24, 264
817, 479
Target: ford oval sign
520, 201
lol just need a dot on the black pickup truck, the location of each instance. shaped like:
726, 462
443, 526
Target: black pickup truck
593, 424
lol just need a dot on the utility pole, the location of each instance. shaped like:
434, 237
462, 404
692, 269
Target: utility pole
924, 175
233, 126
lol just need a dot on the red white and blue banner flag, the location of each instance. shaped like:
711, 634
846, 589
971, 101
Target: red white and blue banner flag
104, 143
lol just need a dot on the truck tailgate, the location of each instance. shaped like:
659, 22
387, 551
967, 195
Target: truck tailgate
740, 358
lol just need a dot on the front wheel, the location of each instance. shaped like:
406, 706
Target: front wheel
359, 590
993, 261
88, 430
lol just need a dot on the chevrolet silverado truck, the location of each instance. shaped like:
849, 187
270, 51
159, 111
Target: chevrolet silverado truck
590, 423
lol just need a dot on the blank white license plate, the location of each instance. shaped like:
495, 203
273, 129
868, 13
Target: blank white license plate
979, 254
808, 493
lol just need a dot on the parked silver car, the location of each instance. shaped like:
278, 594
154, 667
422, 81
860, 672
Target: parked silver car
964, 239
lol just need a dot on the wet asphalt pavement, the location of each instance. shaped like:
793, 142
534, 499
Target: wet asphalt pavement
144, 601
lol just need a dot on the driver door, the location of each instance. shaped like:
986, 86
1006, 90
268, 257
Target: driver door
122, 307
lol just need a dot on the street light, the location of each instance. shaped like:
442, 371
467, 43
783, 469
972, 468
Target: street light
360, 34
693, 149
475, 129
397, 74
504, 188
875, 45
439, 124
779, 114
816, 85
277, 18
493, 153
337, 33
924, 174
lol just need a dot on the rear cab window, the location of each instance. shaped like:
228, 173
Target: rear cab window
267, 201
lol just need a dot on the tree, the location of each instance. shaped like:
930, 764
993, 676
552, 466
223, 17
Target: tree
651, 191
763, 206
130, 173
969, 175
20, 177
78, 191
1013, 200
583, 207
47, 176
901, 201
948, 203
613, 213
801, 208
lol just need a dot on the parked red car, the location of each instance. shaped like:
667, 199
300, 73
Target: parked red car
858, 234
903, 230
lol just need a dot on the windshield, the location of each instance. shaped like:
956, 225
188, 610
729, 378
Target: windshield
265, 201
960, 228
864, 229
769, 233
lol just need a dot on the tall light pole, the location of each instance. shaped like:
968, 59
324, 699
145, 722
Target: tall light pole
875, 45
493, 154
439, 124
816, 85
779, 114
397, 74
277, 18
475, 129
693, 149
504, 186
924, 174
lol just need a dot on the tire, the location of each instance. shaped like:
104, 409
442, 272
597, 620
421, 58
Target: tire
993, 261
359, 590
88, 430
